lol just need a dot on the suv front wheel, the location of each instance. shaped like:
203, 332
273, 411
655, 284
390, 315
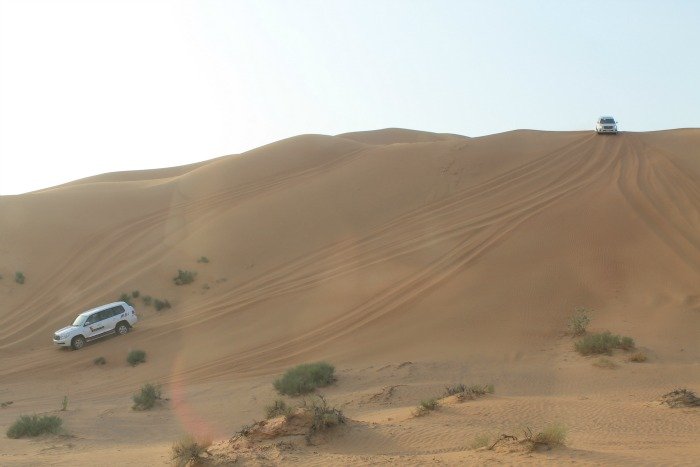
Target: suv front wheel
122, 328
78, 342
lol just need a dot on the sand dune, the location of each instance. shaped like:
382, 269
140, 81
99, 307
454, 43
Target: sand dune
464, 256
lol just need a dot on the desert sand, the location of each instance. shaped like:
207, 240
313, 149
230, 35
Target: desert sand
409, 260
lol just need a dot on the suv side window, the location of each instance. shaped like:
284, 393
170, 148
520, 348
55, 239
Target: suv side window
91, 319
117, 310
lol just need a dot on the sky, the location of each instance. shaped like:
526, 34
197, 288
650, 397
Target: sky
95, 86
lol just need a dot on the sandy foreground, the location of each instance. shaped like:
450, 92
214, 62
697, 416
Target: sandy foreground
409, 260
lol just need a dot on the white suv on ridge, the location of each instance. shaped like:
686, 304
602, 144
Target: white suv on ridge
606, 125
117, 317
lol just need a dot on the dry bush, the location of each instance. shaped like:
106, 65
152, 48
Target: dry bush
603, 343
638, 357
680, 398
304, 378
480, 441
323, 417
579, 321
425, 406
464, 392
189, 451
277, 409
605, 363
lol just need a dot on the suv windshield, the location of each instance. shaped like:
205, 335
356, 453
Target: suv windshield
79, 321
607, 120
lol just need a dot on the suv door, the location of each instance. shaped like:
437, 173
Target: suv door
91, 326
115, 313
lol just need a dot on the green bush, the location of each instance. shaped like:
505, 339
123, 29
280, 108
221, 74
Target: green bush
188, 451
579, 321
99, 361
19, 277
146, 398
184, 277
135, 294
161, 304
146, 299
34, 425
304, 378
277, 409
135, 357
203, 259
603, 343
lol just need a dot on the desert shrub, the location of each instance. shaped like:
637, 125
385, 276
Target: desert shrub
146, 299
304, 378
277, 409
135, 357
463, 392
680, 398
480, 441
638, 357
146, 397
323, 416
605, 363
246, 429
425, 406
64, 404
99, 361
603, 343
552, 435
579, 321
188, 451
626, 343
135, 294
34, 425
126, 298
19, 277
203, 259
184, 277
161, 304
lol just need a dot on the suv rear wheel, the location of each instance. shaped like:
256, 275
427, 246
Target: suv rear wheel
78, 342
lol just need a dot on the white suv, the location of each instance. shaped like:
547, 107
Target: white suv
606, 125
117, 317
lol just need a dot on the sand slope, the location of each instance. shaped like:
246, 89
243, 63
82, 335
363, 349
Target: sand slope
464, 256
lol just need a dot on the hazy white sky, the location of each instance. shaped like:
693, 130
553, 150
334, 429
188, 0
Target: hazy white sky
95, 86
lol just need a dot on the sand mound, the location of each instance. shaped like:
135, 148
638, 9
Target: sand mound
464, 256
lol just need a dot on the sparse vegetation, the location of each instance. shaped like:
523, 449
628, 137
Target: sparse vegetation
426, 405
579, 321
147, 397
19, 277
146, 299
246, 429
203, 259
188, 451
5, 404
681, 398
126, 298
323, 416
603, 343
34, 425
135, 357
464, 392
135, 294
638, 357
161, 304
64, 404
278, 408
99, 361
605, 363
553, 435
184, 277
304, 378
